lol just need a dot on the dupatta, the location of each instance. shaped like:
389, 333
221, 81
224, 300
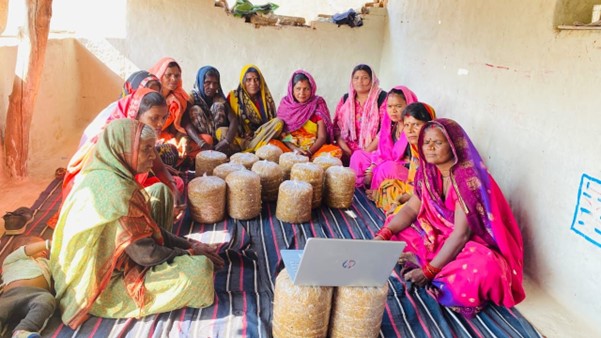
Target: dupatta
177, 100
488, 213
370, 122
244, 107
93, 231
295, 114
136, 81
387, 149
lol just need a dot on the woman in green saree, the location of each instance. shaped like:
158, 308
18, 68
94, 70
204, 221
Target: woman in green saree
109, 257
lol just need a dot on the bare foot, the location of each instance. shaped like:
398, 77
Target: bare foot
408, 257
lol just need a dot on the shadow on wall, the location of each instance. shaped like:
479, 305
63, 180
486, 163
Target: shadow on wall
567, 12
100, 85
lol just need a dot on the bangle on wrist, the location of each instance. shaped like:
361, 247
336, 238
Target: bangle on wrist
430, 271
385, 233
47, 244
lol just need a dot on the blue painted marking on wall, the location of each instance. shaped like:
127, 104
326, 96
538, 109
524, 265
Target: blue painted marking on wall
587, 215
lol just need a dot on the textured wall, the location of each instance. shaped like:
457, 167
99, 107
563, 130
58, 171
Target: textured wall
529, 98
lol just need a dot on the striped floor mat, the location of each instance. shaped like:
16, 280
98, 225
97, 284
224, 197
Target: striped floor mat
244, 288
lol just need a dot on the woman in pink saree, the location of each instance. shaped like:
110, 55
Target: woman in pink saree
460, 232
388, 160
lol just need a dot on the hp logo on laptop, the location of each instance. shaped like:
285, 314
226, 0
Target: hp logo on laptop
348, 264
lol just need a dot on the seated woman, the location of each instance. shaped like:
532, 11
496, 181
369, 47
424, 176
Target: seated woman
110, 257
460, 232
357, 117
147, 106
389, 157
210, 123
392, 193
308, 127
170, 74
137, 80
253, 105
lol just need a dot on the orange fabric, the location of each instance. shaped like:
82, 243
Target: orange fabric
328, 148
177, 100
280, 145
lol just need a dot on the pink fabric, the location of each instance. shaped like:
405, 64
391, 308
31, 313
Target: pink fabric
295, 114
346, 117
177, 100
387, 149
490, 266
360, 161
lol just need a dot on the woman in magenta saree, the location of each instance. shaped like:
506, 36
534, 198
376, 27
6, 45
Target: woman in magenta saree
460, 232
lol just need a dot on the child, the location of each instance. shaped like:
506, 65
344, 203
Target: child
26, 299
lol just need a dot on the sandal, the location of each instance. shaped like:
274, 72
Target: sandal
15, 221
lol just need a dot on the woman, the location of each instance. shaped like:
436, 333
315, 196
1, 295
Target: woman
109, 256
170, 74
390, 191
308, 127
211, 124
389, 158
137, 80
460, 232
147, 106
357, 117
254, 106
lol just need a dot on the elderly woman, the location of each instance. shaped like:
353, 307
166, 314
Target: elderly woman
210, 123
147, 106
110, 257
460, 232
308, 127
358, 114
254, 106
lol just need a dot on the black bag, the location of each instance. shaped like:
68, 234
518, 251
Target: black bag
349, 17
381, 98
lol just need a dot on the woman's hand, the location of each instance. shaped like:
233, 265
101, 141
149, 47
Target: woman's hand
223, 146
417, 277
210, 251
179, 210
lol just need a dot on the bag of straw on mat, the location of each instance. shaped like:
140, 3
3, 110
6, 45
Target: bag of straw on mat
340, 187
207, 160
294, 202
287, 160
300, 311
269, 152
225, 169
246, 159
243, 194
312, 174
327, 160
271, 177
207, 199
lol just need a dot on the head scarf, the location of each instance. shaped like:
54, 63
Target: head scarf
243, 106
200, 97
177, 100
129, 106
93, 231
488, 213
370, 121
387, 149
295, 114
136, 81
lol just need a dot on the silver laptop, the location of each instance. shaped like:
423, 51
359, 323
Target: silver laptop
342, 262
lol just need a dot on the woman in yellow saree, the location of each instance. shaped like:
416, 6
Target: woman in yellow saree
254, 106
109, 256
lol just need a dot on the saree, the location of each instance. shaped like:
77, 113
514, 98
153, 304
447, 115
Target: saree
211, 116
177, 100
489, 268
91, 271
358, 124
388, 158
391, 188
257, 118
126, 107
300, 119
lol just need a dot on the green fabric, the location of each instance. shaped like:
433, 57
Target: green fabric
105, 211
186, 282
245, 7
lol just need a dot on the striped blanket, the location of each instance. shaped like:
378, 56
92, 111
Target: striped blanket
245, 286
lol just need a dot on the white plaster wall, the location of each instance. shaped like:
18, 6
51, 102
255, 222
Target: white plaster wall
528, 96
55, 108
196, 34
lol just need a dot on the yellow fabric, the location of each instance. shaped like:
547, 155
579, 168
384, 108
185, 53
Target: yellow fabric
186, 282
389, 192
